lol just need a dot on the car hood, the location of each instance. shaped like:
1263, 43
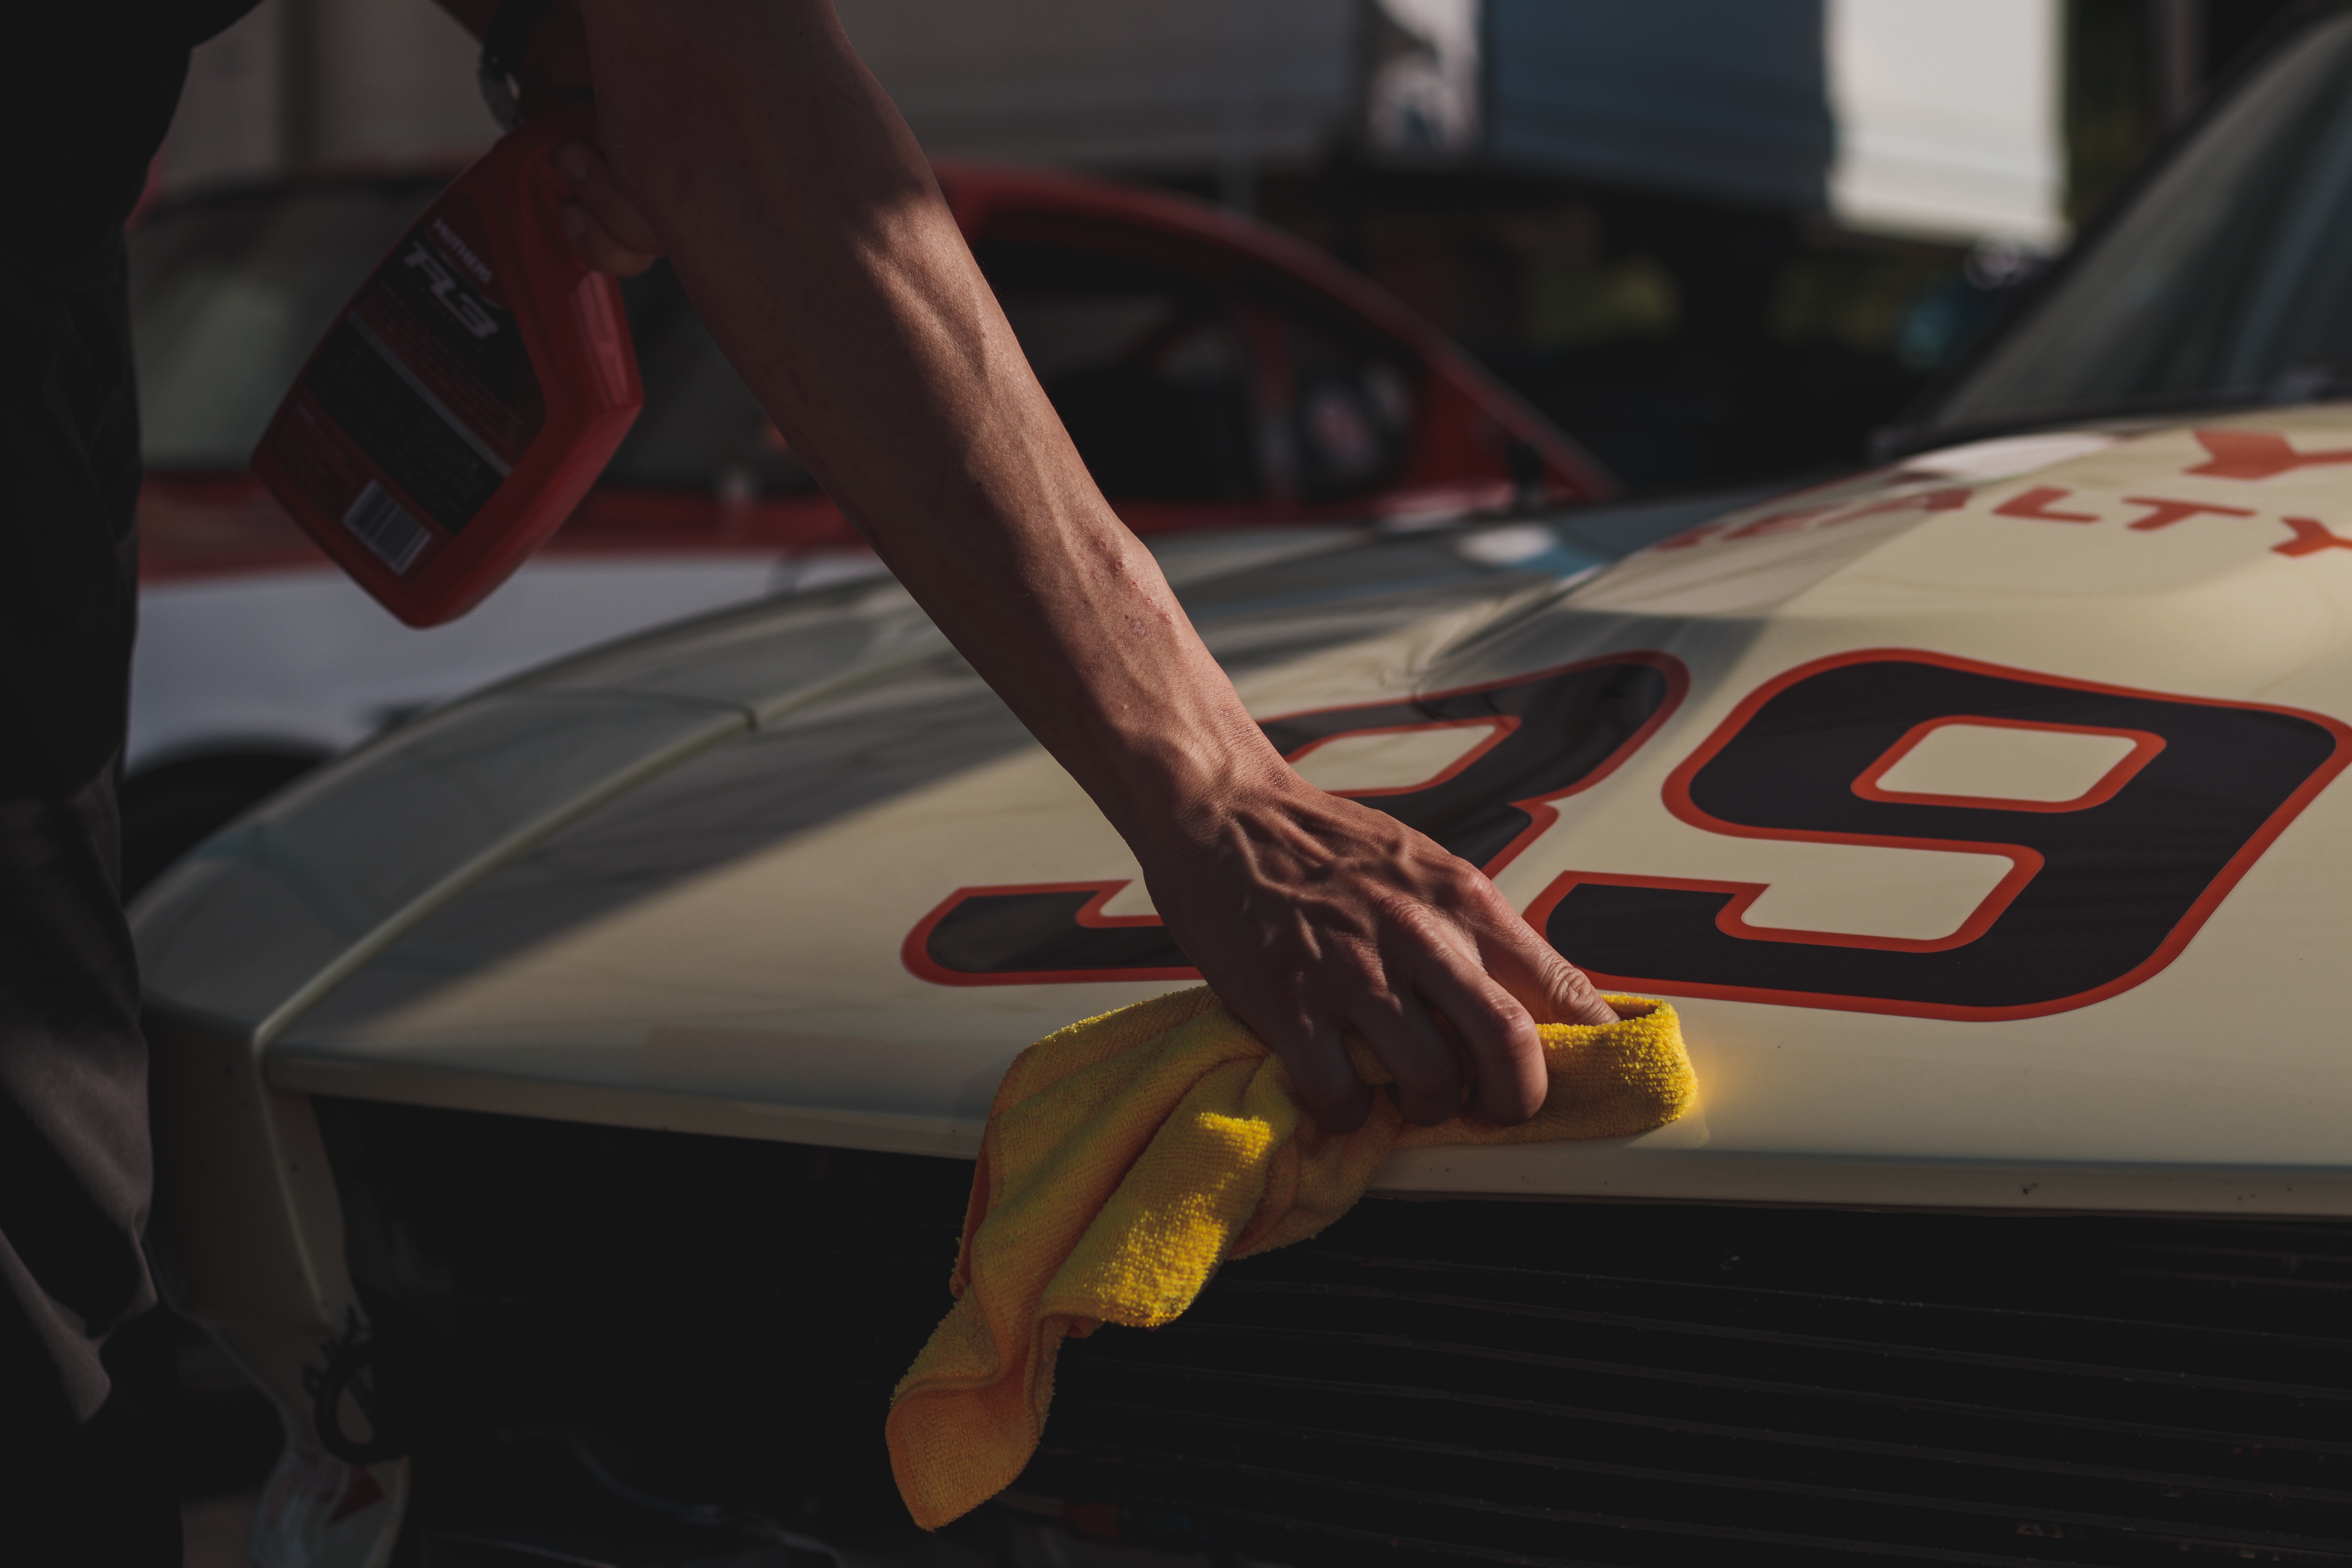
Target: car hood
1976, 814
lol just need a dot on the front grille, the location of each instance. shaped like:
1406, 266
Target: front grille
1613, 1385
1544, 1384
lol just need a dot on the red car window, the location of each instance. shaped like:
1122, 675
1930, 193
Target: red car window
1188, 370
1185, 374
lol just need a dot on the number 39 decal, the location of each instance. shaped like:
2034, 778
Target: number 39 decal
2103, 891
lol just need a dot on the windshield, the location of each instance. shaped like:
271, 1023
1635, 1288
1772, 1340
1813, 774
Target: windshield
2229, 280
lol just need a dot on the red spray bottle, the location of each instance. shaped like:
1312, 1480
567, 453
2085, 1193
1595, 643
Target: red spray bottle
469, 395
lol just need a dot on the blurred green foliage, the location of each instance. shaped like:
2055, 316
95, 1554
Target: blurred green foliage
1861, 297
1571, 303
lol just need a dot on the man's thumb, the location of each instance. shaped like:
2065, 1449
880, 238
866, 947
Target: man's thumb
1571, 998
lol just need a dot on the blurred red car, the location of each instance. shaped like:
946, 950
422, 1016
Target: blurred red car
1216, 375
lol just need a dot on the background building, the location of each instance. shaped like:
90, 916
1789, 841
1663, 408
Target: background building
1715, 239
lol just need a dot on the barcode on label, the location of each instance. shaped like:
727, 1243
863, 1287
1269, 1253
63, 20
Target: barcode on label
386, 527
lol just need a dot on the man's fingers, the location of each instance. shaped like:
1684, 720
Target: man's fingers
1558, 992
1321, 1073
1329, 909
596, 246
1571, 995
1554, 990
1408, 1042
609, 227
1494, 1031
582, 164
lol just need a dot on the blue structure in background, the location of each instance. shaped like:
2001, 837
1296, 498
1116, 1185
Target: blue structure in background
1725, 99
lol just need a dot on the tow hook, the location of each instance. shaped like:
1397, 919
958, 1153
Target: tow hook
350, 1371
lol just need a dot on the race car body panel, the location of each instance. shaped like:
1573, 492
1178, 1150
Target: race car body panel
1976, 814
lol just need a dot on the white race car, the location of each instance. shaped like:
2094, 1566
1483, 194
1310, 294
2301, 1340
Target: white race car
564, 1105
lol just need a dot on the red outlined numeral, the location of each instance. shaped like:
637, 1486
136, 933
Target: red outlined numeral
1040, 933
2103, 891
2145, 746
1555, 733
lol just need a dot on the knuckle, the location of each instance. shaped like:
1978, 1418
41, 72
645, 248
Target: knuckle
1460, 881
1400, 908
1458, 873
1414, 925
1572, 983
1491, 1014
1575, 999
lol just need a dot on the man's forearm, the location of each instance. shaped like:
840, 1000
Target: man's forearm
805, 223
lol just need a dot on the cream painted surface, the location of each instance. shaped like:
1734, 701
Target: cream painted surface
770, 991
1861, 890
303, 660
2001, 762
1406, 760
798, 924
2007, 457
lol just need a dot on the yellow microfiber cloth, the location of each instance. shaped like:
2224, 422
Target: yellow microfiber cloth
1126, 1158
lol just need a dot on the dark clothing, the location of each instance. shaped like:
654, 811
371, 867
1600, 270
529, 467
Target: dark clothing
87, 89
69, 487
74, 1166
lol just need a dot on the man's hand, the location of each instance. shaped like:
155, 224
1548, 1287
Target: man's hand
1310, 915
607, 229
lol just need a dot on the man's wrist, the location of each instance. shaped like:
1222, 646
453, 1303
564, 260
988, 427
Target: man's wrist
1174, 785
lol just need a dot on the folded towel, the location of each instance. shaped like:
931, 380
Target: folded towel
1126, 1158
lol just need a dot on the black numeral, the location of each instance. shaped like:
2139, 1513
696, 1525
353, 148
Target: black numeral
2102, 893
1549, 735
